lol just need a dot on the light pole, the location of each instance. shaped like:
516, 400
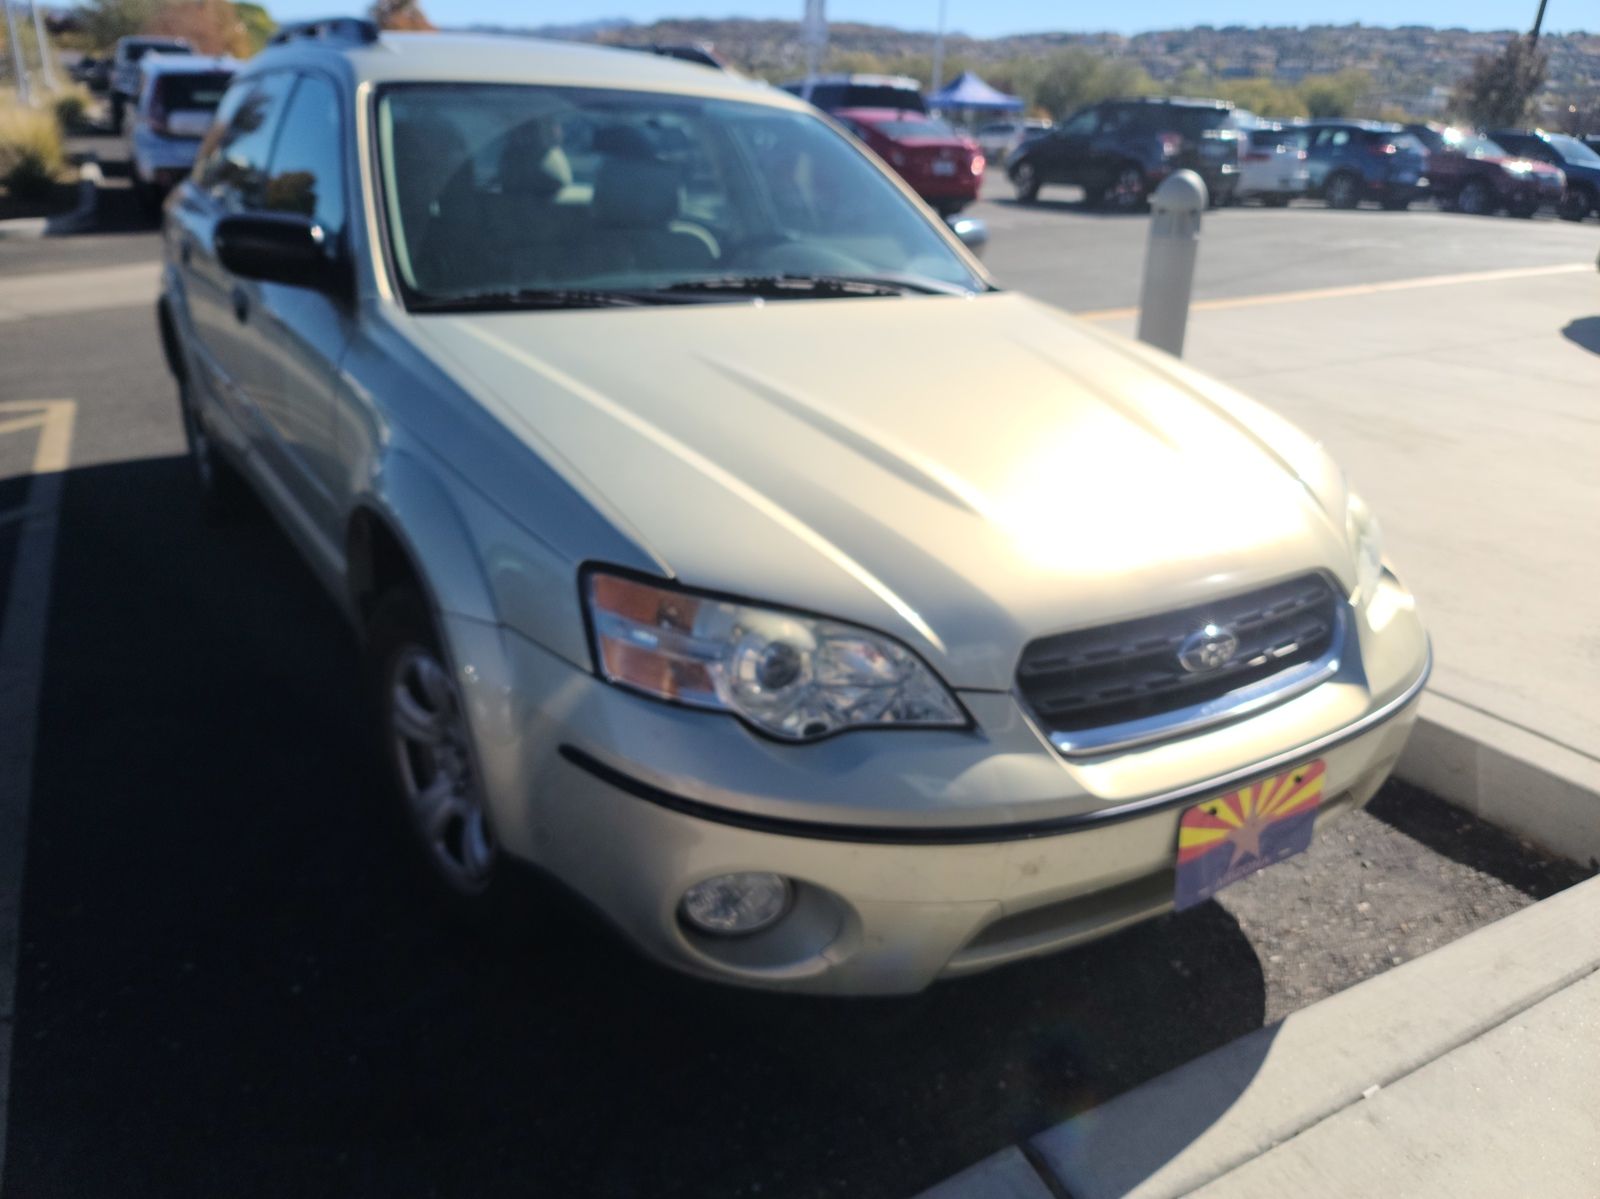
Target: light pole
24, 93
938, 51
1538, 20
814, 35
46, 71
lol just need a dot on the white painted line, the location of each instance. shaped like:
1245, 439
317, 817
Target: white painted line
22, 631
1356, 289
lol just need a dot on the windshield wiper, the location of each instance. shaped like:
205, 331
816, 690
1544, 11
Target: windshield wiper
784, 287
531, 297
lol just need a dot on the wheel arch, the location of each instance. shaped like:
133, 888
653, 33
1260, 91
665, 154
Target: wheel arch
408, 531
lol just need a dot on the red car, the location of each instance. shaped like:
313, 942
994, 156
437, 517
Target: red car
1474, 175
942, 166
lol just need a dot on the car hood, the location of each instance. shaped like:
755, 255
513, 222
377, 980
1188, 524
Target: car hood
964, 473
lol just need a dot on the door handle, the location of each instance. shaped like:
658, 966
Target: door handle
241, 305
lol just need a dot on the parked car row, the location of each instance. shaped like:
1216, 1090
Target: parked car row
1120, 150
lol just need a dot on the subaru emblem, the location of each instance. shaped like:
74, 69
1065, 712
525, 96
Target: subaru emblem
1207, 649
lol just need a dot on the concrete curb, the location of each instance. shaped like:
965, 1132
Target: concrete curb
82, 217
1539, 789
1200, 1122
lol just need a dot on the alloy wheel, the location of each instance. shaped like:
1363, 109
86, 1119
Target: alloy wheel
1474, 198
1342, 192
1127, 192
1026, 181
428, 736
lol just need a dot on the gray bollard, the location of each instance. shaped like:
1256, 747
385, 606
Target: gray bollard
1169, 262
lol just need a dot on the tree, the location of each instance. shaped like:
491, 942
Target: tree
258, 25
210, 26
401, 14
1074, 77
1335, 95
1261, 95
1499, 89
104, 21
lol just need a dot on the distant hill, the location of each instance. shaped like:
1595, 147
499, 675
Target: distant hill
1411, 63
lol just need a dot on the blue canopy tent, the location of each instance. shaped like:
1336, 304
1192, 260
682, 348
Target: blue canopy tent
967, 91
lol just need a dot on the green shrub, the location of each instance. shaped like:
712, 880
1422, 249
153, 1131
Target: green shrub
71, 106
30, 151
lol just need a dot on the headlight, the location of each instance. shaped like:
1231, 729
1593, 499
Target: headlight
795, 677
1366, 539
1518, 167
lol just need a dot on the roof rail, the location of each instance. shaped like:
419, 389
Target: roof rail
342, 29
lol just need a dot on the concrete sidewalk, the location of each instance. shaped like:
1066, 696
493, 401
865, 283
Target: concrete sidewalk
1467, 411
1472, 1071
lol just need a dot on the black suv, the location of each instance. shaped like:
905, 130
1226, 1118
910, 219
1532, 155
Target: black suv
1117, 151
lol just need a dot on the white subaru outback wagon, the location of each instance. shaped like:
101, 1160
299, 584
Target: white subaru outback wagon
725, 544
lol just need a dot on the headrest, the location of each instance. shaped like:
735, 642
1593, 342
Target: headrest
524, 162
623, 141
633, 193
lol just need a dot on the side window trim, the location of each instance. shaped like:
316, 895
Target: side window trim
302, 74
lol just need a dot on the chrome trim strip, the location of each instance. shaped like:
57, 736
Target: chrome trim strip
1235, 705
984, 834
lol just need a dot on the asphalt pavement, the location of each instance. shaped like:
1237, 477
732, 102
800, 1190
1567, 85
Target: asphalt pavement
227, 984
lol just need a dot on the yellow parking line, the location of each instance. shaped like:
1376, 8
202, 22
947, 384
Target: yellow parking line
1355, 289
54, 419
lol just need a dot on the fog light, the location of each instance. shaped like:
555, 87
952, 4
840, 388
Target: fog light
736, 904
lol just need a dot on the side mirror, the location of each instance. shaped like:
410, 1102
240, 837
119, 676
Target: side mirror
974, 234
281, 247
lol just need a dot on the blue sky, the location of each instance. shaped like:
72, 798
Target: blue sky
987, 18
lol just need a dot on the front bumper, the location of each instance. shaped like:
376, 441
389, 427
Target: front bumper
917, 855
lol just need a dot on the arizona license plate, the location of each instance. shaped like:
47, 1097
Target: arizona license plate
1224, 840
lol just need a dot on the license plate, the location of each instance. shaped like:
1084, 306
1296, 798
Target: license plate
944, 168
1224, 840
1407, 177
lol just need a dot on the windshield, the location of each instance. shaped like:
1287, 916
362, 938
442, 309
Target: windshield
504, 189
1473, 145
899, 130
1571, 149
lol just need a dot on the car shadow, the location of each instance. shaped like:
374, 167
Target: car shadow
231, 982
1584, 332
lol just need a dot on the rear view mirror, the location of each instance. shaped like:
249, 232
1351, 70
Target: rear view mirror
974, 234
281, 247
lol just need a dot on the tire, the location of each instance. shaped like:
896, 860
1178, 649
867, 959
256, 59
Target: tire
224, 495
1026, 180
1342, 191
427, 759
118, 112
1575, 204
1475, 198
1128, 191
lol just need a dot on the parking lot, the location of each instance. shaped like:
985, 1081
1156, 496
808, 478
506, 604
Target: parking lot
226, 985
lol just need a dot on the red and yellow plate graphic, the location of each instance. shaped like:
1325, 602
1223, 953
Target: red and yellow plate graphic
1222, 840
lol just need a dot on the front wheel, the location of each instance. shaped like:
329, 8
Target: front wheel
1575, 204
1026, 180
427, 751
1475, 199
1127, 190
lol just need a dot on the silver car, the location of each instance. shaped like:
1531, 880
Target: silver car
178, 97
724, 543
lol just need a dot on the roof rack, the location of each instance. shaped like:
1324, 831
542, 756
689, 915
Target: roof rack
340, 29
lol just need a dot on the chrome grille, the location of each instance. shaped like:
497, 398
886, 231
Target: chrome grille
1126, 672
